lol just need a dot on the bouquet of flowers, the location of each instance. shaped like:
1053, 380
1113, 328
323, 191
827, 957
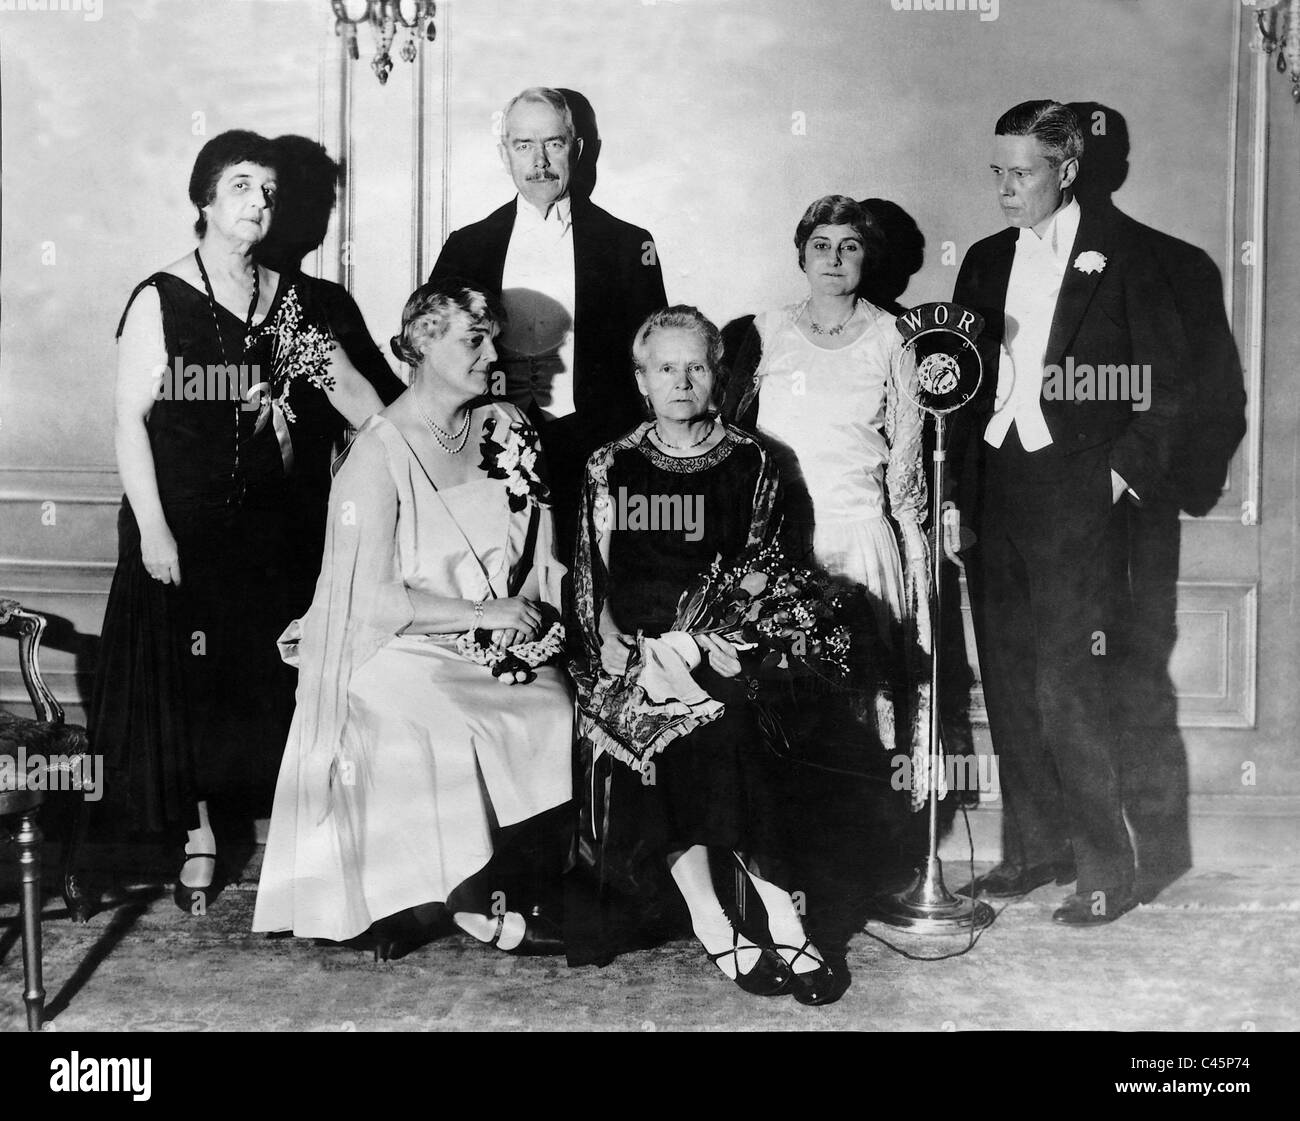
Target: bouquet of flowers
785, 617
789, 614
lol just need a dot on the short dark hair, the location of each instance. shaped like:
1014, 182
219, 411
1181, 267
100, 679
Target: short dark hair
840, 210
1052, 124
223, 151
429, 309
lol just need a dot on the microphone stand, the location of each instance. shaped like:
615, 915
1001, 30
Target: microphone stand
927, 906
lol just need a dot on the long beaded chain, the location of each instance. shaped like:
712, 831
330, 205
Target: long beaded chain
221, 339
452, 438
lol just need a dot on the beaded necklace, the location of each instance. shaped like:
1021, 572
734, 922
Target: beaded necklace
221, 339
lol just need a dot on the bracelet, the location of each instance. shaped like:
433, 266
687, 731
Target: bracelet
478, 612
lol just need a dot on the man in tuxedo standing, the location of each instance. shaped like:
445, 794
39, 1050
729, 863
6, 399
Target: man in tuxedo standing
576, 283
1083, 349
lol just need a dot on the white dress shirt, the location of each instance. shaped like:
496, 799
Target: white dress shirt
537, 283
1037, 270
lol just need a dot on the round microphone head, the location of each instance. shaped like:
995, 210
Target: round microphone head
948, 370
948, 365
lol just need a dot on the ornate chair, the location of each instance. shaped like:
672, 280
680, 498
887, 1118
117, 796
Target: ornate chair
58, 746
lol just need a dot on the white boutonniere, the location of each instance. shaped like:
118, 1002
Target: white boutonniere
1091, 261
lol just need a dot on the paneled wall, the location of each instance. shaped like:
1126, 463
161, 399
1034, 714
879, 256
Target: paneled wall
102, 119
720, 120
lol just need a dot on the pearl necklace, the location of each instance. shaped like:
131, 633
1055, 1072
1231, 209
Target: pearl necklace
454, 442
685, 447
818, 329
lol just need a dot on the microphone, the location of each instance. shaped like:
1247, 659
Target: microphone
948, 374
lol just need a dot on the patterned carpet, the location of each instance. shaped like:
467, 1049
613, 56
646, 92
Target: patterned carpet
1214, 952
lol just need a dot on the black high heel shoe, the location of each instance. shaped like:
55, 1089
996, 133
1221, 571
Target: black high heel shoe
769, 975
395, 936
823, 985
387, 941
197, 900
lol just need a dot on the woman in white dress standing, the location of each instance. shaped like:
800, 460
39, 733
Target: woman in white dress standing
828, 382
406, 763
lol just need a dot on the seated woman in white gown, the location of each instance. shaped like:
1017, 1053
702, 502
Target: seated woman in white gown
406, 759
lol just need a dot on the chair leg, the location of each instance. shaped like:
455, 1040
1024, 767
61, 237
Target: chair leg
76, 894
28, 840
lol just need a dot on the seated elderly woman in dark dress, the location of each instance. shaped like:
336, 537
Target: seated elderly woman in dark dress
657, 803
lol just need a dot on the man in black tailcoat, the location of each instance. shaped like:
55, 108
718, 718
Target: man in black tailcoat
1079, 412
576, 283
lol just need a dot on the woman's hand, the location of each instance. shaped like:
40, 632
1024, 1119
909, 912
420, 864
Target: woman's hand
158, 551
723, 659
952, 542
513, 620
616, 651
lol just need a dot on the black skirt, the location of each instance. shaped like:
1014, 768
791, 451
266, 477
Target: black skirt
191, 700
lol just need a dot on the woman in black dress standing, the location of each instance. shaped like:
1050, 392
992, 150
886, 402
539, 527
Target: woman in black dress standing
191, 702
716, 787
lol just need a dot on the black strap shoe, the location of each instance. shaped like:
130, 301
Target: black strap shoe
197, 900
823, 985
768, 976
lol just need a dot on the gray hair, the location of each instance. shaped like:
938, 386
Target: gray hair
682, 317
1052, 124
429, 310
542, 95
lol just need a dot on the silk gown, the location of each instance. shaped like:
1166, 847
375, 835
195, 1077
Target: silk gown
404, 758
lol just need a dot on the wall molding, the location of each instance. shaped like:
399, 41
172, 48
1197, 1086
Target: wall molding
1232, 703
95, 485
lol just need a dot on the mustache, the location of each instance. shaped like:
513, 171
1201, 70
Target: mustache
540, 176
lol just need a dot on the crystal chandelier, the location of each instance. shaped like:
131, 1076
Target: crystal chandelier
405, 20
1279, 30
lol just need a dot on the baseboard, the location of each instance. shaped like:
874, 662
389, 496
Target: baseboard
1227, 830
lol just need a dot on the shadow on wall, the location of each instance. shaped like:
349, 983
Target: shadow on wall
583, 182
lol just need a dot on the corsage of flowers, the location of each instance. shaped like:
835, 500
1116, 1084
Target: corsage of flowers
1090, 261
298, 352
514, 459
